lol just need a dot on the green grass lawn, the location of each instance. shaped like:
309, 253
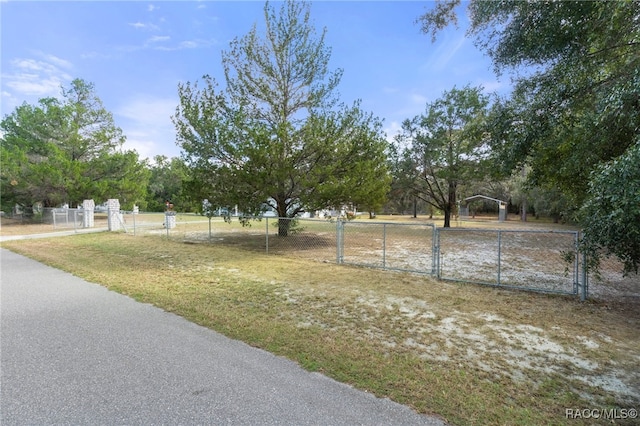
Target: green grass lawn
473, 355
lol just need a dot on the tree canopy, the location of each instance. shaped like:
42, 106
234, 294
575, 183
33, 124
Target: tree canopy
276, 137
167, 183
575, 107
448, 147
611, 213
66, 150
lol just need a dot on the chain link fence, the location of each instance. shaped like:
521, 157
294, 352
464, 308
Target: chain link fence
60, 218
64, 218
395, 246
309, 238
546, 261
534, 260
543, 261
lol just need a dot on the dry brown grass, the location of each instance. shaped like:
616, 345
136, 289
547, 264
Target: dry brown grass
474, 355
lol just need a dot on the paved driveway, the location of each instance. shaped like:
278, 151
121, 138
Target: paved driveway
72, 352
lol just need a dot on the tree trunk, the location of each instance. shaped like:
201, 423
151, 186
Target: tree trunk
284, 223
283, 226
447, 217
451, 205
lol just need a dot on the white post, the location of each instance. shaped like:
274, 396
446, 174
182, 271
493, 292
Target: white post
113, 215
87, 217
170, 219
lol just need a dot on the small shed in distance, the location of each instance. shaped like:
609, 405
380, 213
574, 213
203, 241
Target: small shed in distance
502, 207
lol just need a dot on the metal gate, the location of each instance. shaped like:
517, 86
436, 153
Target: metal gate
543, 261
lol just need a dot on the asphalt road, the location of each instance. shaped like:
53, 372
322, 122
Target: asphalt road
72, 352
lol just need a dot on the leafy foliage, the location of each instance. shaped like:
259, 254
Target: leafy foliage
66, 151
276, 138
580, 108
167, 183
448, 147
611, 213
576, 103
401, 196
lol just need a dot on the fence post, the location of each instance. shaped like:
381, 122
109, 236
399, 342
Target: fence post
436, 250
499, 253
88, 208
585, 278
384, 246
267, 235
576, 263
433, 249
339, 241
582, 277
113, 214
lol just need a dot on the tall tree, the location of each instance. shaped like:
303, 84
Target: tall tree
276, 136
89, 129
66, 150
576, 102
168, 179
448, 147
401, 196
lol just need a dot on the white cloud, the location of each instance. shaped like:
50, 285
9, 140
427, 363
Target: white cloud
156, 39
418, 99
59, 62
151, 8
9, 102
444, 52
392, 130
94, 55
30, 79
493, 86
187, 44
405, 104
145, 108
141, 143
163, 42
146, 121
33, 85
144, 26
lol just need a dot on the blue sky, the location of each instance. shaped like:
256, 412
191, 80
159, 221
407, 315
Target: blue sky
136, 53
